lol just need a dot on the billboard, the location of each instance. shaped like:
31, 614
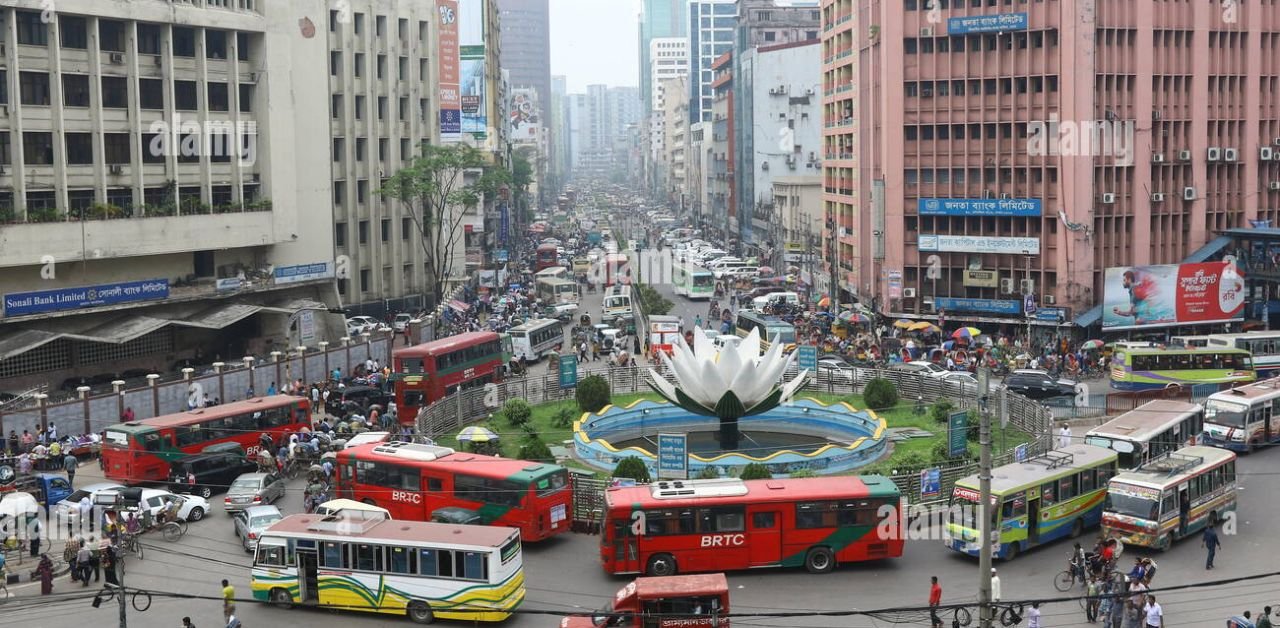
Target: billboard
525, 118
61, 299
1172, 294
979, 206
471, 51
447, 70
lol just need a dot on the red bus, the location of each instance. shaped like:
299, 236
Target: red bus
140, 451
700, 601
425, 373
548, 256
695, 526
415, 481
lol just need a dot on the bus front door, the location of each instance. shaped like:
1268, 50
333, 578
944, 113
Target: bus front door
626, 549
765, 544
1033, 523
308, 580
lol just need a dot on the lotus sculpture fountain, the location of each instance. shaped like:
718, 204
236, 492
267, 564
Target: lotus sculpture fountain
727, 383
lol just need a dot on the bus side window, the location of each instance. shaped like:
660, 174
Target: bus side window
335, 555
1169, 506
730, 519
1048, 494
1231, 472
1067, 488
435, 485
1014, 508
1087, 478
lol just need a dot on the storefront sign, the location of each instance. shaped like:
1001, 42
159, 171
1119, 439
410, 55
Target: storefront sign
61, 299
1053, 314
895, 284
302, 272
979, 207
978, 244
987, 306
981, 278
1001, 23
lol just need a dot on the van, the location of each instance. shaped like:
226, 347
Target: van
759, 303
212, 471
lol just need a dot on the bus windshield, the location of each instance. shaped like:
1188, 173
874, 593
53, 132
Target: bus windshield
703, 280
552, 482
1225, 413
1131, 505
785, 334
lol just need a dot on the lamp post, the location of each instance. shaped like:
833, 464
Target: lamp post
985, 615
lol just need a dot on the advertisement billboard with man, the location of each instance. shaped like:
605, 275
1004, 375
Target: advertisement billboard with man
1173, 294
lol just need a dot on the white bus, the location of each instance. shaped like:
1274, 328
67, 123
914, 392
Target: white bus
421, 570
1264, 345
692, 281
554, 272
1241, 419
1146, 506
1149, 431
553, 291
536, 338
617, 302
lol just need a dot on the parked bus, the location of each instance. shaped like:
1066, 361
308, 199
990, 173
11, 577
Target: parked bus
414, 481
1263, 346
140, 451
424, 571
1146, 366
618, 301
695, 526
1241, 419
425, 373
697, 601
546, 257
1149, 431
692, 281
664, 334
1060, 493
1145, 506
536, 338
553, 291
771, 329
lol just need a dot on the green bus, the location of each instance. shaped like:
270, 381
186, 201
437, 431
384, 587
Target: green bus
1038, 500
692, 281
1147, 366
771, 329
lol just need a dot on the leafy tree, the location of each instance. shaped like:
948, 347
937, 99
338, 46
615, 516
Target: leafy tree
708, 473
564, 418
755, 471
880, 394
435, 191
632, 467
535, 450
652, 301
804, 473
517, 411
592, 393
941, 411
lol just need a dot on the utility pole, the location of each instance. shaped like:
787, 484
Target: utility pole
986, 615
124, 619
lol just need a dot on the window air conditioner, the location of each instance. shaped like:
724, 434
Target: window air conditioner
1273, 186
1230, 154
926, 32
1005, 195
117, 57
1006, 285
1157, 197
1188, 194
1048, 299
1028, 286
116, 169
908, 293
1157, 158
1108, 198
1184, 155
1215, 153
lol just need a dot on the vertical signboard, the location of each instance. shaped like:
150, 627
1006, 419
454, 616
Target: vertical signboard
958, 433
471, 50
930, 483
807, 357
447, 70
568, 370
673, 457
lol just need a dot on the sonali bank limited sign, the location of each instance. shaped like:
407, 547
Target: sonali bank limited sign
60, 299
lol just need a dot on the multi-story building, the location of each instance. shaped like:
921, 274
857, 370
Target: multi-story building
797, 203
158, 196
659, 18
675, 125
841, 189
668, 58
711, 31
600, 126
1019, 152
697, 168
558, 138
723, 210
526, 52
779, 132
576, 129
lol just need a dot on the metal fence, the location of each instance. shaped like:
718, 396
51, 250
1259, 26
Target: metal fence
93, 412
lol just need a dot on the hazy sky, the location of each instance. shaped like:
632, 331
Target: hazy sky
594, 41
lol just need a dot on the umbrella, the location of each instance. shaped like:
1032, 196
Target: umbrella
948, 345
923, 326
476, 434
966, 332
1090, 345
765, 270
903, 323
824, 302
854, 317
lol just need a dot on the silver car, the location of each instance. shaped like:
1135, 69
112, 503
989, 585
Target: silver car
253, 489
251, 522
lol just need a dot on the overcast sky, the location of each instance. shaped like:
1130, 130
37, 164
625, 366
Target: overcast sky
594, 41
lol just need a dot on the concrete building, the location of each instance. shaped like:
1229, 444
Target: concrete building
558, 137
658, 18
668, 58
675, 126
779, 132
797, 204
723, 209
1098, 135
600, 124
698, 165
711, 29
158, 188
526, 52
841, 186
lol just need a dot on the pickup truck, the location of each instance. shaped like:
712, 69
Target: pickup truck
47, 488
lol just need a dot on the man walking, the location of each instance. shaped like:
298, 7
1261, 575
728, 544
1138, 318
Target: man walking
1210, 541
228, 601
70, 464
935, 598
1064, 436
1264, 620
995, 586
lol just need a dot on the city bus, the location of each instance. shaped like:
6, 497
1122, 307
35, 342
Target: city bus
140, 451
664, 334
536, 338
618, 301
692, 526
424, 571
1151, 430
555, 272
425, 373
1144, 506
771, 329
547, 256
1061, 492
1241, 419
414, 481
552, 291
1147, 366
692, 281
1263, 346
694, 601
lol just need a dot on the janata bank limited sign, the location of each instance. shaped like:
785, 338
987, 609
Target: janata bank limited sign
60, 299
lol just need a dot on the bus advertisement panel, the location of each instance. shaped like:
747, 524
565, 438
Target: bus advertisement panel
1172, 294
664, 333
1171, 497
425, 373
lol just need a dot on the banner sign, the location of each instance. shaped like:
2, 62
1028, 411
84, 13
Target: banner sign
568, 370
1053, 314
1020, 453
229, 284
501, 255
307, 327
673, 457
930, 483
895, 284
976, 278
958, 433
505, 223
1028, 207
978, 244
987, 23
988, 306
60, 299
1172, 294
448, 77
807, 357
302, 272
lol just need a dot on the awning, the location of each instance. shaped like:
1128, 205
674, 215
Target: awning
1214, 247
119, 330
293, 306
976, 318
1089, 318
460, 306
24, 341
219, 316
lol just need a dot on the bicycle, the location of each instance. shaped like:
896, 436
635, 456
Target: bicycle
1066, 579
131, 543
174, 530
141, 600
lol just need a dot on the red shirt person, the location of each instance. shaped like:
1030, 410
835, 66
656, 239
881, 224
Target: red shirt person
935, 599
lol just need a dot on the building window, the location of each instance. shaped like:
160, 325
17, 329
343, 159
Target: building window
340, 234
404, 109
148, 39
75, 32
37, 148
79, 201
406, 227
184, 42
32, 30
34, 87
362, 191
185, 98
335, 62
359, 107
188, 149
116, 148
359, 25
150, 93
153, 148
242, 46
79, 149
364, 232
383, 144
333, 21
215, 44
382, 107
246, 98
404, 68
111, 35
75, 90
5, 158
386, 229
405, 150
359, 64
360, 148
219, 97
115, 92
339, 193
335, 106
381, 70
364, 279
120, 197
380, 26
339, 148
770, 36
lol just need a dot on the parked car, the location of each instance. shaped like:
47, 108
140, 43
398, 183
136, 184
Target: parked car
401, 321
920, 366
1038, 385
212, 472
152, 502
69, 508
960, 383
250, 523
357, 397
253, 489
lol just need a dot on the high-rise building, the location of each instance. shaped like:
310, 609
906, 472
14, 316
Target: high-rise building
723, 209
711, 31
526, 44
1097, 135
558, 137
668, 58
838, 275
659, 18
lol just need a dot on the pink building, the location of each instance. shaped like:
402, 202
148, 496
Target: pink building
1019, 149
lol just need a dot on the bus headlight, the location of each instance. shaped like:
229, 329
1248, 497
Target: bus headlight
1237, 435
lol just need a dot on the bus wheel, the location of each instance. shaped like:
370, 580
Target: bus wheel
1012, 553
662, 565
419, 612
819, 560
281, 598
1077, 528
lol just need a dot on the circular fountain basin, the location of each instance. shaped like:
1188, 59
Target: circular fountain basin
802, 435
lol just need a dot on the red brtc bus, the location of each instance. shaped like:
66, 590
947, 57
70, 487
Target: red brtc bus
719, 525
425, 373
700, 601
414, 481
140, 451
547, 257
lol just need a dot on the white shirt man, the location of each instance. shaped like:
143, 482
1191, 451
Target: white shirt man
1033, 616
1064, 436
995, 586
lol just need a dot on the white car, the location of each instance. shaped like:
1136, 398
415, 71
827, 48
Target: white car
401, 321
742, 272
357, 325
960, 383
155, 501
69, 508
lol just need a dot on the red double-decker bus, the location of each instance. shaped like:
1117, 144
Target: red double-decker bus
415, 482
425, 373
140, 451
695, 526
547, 257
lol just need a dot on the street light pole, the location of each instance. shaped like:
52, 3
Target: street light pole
986, 616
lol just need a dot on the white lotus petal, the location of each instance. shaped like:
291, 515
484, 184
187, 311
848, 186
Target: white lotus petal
749, 348
789, 390
685, 372
667, 388
702, 346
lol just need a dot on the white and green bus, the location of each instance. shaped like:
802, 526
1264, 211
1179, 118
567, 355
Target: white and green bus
692, 281
1057, 494
418, 569
1146, 506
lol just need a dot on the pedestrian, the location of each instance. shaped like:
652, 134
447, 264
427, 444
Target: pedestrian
1210, 542
70, 464
186, 623
935, 598
995, 585
1154, 614
697, 321
1264, 620
1064, 436
36, 530
271, 390
1091, 606
108, 558
81, 567
228, 600
44, 571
